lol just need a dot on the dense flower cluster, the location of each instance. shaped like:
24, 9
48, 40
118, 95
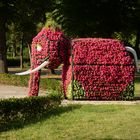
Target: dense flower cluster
102, 68
46, 46
99, 51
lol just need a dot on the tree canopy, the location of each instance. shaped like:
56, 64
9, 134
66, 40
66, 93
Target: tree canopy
92, 18
97, 17
100, 18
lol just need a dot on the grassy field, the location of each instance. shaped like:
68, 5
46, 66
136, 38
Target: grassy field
82, 122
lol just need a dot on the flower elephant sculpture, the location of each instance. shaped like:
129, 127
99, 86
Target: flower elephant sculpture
93, 68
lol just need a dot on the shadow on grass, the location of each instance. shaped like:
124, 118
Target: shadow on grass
51, 113
137, 80
137, 94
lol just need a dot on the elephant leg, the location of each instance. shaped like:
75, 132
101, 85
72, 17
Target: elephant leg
34, 84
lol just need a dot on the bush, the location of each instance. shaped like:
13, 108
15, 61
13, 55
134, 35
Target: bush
17, 111
14, 62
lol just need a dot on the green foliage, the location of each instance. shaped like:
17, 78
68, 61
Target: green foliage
137, 80
50, 84
128, 94
69, 91
23, 16
100, 18
78, 91
11, 79
88, 18
128, 39
50, 22
75, 90
47, 84
14, 62
16, 111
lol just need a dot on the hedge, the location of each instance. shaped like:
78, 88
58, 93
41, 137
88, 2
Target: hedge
17, 111
14, 62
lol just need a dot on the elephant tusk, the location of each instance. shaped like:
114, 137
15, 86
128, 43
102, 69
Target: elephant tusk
131, 50
34, 70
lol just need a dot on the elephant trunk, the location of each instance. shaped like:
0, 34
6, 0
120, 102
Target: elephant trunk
34, 77
34, 84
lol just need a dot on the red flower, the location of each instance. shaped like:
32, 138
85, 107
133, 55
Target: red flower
102, 67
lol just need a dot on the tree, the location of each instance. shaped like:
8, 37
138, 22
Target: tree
3, 49
130, 18
25, 14
88, 18
99, 18
5, 11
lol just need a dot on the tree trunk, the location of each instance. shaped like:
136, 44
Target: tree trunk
14, 50
29, 48
21, 54
52, 71
3, 49
137, 44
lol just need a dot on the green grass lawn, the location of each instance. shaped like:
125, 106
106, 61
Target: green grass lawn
82, 122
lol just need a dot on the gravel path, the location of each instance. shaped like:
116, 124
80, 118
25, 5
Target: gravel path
7, 91
66, 102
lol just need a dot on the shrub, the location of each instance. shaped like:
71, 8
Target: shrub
22, 110
14, 62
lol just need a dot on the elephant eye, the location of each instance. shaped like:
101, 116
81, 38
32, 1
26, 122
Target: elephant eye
38, 47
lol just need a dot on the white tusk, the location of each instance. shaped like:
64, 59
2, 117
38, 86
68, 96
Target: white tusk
34, 70
129, 49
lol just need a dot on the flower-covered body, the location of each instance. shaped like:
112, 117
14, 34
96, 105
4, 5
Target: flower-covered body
101, 69
93, 68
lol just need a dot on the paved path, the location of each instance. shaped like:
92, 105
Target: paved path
7, 91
